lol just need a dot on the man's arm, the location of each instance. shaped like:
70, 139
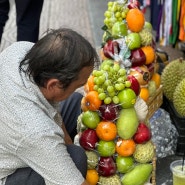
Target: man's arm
67, 138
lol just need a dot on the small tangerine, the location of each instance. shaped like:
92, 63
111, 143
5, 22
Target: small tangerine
125, 147
106, 131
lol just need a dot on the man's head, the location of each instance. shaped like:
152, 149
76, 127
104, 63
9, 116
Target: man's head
61, 54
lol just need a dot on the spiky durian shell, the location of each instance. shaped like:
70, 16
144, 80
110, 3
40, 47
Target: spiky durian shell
179, 98
146, 37
112, 180
172, 74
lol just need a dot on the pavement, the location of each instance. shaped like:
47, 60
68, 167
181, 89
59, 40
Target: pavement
84, 16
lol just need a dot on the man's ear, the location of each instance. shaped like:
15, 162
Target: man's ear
52, 84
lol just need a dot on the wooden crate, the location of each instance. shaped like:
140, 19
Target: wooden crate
155, 102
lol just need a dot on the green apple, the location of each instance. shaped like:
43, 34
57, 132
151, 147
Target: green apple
119, 29
90, 119
124, 164
148, 26
133, 40
106, 148
127, 98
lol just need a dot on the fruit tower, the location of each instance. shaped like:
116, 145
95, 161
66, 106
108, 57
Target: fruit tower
113, 128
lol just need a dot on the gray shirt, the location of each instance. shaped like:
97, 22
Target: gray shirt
30, 127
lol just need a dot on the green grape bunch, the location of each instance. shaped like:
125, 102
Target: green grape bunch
116, 11
109, 80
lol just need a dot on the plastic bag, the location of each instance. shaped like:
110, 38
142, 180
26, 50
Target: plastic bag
164, 133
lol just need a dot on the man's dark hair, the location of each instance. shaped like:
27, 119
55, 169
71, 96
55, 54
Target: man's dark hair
60, 54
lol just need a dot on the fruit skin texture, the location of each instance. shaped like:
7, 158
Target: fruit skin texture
149, 53
133, 40
106, 148
125, 147
146, 37
138, 175
106, 131
127, 123
127, 98
92, 102
92, 159
90, 119
134, 84
112, 180
106, 166
179, 98
143, 134
88, 139
111, 48
141, 73
144, 153
92, 176
137, 57
135, 20
119, 29
171, 76
124, 164
109, 112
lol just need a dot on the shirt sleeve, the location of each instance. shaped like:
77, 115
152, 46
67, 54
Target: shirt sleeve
46, 153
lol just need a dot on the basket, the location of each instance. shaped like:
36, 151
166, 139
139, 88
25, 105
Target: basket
153, 176
155, 102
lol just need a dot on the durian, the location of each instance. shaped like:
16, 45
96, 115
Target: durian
112, 180
144, 153
171, 76
92, 159
179, 98
146, 37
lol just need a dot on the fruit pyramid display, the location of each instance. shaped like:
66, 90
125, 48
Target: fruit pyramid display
113, 127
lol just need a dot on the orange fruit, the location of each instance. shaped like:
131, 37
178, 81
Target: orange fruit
135, 20
106, 131
157, 79
92, 101
125, 147
144, 93
149, 53
83, 105
89, 86
92, 176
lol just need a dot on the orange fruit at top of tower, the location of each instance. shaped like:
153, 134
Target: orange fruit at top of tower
106, 131
135, 20
149, 53
91, 101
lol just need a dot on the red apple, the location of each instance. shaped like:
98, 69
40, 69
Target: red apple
88, 139
111, 48
109, 112
135, 86
143, 134
106, 166
137, 57
134, 4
